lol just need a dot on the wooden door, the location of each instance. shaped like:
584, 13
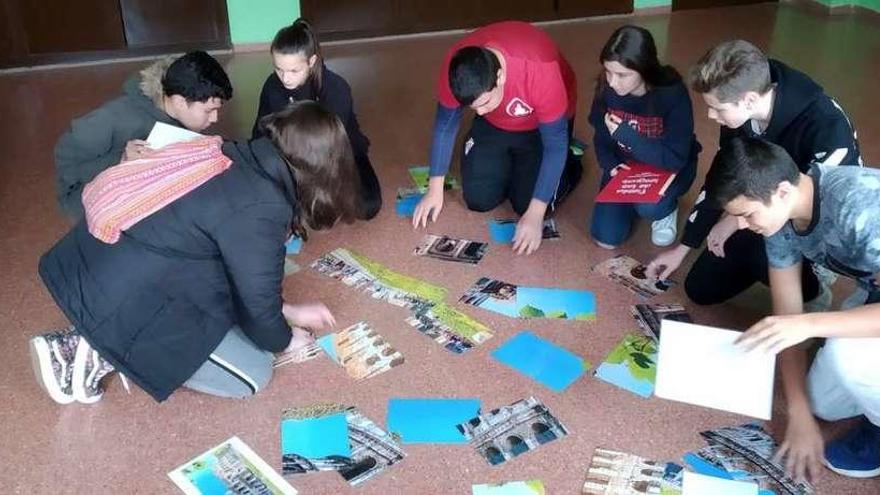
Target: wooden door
570, 9
51, 26
171, 22
347, 19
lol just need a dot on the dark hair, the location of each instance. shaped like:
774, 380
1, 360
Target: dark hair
196, 76
732, 69
473, 70
313, 142
299, 37
633, 47
750, 167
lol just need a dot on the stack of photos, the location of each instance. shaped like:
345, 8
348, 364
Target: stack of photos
505, 433
745, 453
531, 302
300, 355
631, 274
632, 365
649, 316
447, 248
361, 351
371, 449
314, 438
450, 328
229, 468
618, 473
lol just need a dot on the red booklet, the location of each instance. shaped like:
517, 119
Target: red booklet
640, 184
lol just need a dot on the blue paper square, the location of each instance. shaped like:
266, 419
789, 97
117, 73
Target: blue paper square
501, 230
547, 363
406, 205
430, 420
316, 438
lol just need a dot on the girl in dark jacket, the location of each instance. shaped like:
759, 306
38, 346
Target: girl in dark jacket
191, 295
642, 112
299, 75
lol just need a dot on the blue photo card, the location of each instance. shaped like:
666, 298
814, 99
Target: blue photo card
407, 200
316, 437
431, 420
547, 363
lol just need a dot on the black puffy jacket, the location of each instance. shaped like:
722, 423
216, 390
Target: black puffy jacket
159, 301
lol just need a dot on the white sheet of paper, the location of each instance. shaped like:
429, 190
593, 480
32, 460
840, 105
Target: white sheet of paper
164, 134
699, 484
700, 365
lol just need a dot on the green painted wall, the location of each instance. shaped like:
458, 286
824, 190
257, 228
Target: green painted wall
868, 4
258, 21
646, 4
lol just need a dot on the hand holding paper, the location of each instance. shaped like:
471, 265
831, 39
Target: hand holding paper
134, 149
164, 134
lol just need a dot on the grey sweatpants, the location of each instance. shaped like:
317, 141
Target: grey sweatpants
237, 368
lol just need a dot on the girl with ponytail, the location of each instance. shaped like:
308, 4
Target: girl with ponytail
300, 74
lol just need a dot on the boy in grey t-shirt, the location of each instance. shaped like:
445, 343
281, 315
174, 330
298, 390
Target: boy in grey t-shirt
830, 216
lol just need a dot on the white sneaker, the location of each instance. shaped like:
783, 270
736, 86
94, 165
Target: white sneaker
52, 355
664, 231
88, 370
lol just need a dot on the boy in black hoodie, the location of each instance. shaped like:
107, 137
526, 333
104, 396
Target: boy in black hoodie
750, 95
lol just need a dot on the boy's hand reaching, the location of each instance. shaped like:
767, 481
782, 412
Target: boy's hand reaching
803, 448
313, 316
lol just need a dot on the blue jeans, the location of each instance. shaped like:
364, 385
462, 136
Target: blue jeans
612, 222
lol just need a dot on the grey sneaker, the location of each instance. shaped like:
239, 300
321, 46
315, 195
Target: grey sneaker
52, 356
88, 370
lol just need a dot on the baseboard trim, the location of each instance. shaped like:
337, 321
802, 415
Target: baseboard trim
821, 8
661, 10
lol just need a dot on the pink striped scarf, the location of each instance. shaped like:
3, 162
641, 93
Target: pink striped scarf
125, 194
